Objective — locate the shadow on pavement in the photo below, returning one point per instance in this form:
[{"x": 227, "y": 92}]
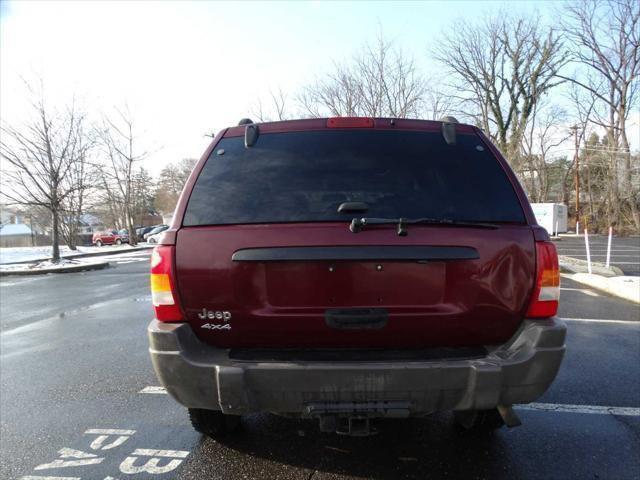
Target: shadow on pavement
[{"x": 415, "y": 448}]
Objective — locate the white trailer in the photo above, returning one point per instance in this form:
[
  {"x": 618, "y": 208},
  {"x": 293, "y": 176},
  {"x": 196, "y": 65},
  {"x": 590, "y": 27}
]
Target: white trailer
[{"x": 551, "y": 216}]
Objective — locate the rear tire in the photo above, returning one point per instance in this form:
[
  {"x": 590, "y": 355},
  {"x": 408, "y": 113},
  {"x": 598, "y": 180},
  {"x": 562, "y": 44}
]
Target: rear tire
[
  {"x": 213, "y": 423},
  {"x": 478, "y": 420},
  {"x": 98, "y": 243},
  {"x": 118, "y": 242}
]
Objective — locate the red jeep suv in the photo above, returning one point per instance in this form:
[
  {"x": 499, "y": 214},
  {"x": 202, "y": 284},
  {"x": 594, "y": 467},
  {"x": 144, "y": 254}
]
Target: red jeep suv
[
  {"x": 110, "y": 237},
  {"x": 347, "y": 269}
]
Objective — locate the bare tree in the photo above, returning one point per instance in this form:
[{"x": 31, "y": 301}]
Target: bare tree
[
  {"x": 82, "y": 176},
  {"x": 437, "y": 101},
  {"x": 502, "y": 68},
  {"x": 605, "y": 36},
  {"x": 171, "y": 181},
  {"x": 143, "y": 198},
  {"x": 40, "y": 159},
  {"x": 380, "y": 81},
  {"x": 275, "y": 108},
  {"x": 119, "y": 143},
  {"x": 543, "y": 134},
  {"x": 337, "y": 94}
]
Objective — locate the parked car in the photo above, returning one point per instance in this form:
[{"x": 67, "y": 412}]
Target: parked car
[
  {"x": 110, "y": 237},
  {"x": 155, "y": 238},
  {"x": 153, "y": 231},
  {"x": 140, "y": 231},
  {"x": 347, "y": 269}
]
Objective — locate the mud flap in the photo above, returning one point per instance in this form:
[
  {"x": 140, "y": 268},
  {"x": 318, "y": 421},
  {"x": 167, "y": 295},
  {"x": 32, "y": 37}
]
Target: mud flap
[{"x": 232, "y": 391}]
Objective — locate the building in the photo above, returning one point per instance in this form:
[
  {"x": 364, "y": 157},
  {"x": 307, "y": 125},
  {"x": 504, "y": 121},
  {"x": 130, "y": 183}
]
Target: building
[
  {"x": 88, "y": 225},
  {"x": 16, "y": 235},
  {"x": 20, "y": 228}
]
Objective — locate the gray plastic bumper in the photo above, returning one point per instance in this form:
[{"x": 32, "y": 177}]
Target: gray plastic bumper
[{"x": 200, "y": 376}]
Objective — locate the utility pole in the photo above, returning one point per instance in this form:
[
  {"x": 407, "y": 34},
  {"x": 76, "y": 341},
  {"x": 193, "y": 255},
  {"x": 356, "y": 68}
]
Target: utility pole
[{"x": 576, "y": 160}]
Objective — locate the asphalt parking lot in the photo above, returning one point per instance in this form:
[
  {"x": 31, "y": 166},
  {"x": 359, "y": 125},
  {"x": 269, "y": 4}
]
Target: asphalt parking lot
[
  {"x": 77, "y": 401},
  {"x": 625, "y": 251}
]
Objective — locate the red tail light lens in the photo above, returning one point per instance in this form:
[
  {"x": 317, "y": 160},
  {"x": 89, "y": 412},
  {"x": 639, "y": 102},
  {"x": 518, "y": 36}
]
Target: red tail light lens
[
  {"x": 163, "y": 291},
  {"x": 350, "y": 122},
  {"x": 546, "y": 294}
]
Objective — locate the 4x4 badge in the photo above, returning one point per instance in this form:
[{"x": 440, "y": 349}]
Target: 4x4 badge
[{"x": 213, "y": 326}]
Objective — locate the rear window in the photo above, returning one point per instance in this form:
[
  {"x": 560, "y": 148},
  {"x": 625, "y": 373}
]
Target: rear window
[{"x": 305, "y": 176}]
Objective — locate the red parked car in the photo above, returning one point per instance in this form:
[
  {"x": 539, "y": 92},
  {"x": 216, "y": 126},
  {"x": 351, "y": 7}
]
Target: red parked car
[
  {"x": 110, "y": 237},
  {"x": 347, "y": 269}
]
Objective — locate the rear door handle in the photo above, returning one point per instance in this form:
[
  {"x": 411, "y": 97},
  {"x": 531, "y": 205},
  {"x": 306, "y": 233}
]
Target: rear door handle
[{"x": 356, "y": 318}]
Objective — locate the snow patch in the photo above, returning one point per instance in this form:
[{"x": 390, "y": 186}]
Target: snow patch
[
  {"x": 49, "y": 265},
  {"x": 23, "y": 254}
]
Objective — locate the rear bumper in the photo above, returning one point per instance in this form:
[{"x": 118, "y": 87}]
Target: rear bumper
[{"x": 200, "y": 376}]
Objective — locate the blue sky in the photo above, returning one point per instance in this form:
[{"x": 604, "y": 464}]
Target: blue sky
[{"x": 187, "y": 69}]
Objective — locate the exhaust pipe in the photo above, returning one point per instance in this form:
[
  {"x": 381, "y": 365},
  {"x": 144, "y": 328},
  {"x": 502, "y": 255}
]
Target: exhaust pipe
[{"x": 509, "y": 416}]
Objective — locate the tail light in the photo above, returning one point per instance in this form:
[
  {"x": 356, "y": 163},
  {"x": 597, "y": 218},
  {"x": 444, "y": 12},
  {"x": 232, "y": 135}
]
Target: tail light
[
  {"x": 546, "y": 294},
  {"x": 163, "y": 291},
  {"x": 350, "y": 122}
]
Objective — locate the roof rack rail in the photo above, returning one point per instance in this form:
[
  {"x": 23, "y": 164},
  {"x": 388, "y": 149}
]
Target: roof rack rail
[
  {"x": 449, "y": 129},
  {"x": 449, "y": 119},
  {"x": 251, "y": 133}
]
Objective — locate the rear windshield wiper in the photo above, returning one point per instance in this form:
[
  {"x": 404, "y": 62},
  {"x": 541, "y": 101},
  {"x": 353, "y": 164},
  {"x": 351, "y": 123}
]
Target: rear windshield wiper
[{"x": 358, "y": 224}]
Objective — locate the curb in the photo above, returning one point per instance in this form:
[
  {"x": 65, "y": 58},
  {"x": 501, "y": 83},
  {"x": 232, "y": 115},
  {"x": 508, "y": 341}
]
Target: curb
[
  {"x": 576, "y": 265},
  {"x": 75, "y": 268},
  {"x": 625, "y": 287},
  {"x": 84, "y": 255}
]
